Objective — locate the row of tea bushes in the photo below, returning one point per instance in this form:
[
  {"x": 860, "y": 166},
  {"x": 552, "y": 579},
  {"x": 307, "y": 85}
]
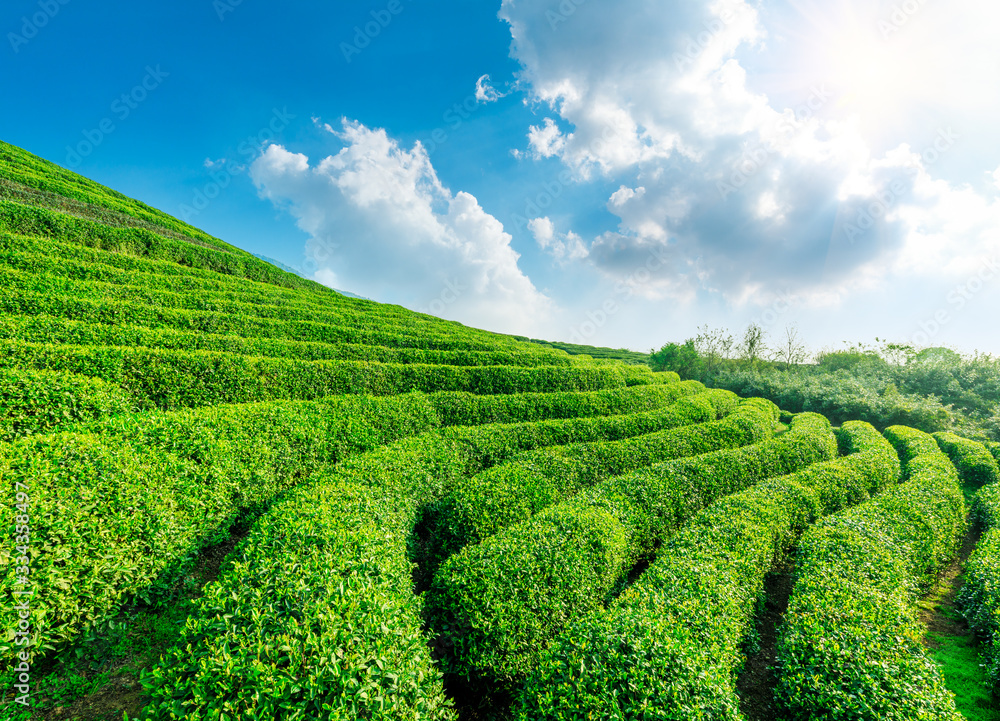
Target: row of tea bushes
[
  {"x": 46, "y": 329},
  {"x": 44, "y": 401},
  {"x": 111, "y": 512},
  {"x": 851, "y": 639},
  {"x": 516, "y": 590},
  {"x": 466, "y": 409},
  {"x": 975, "y": 464},
  {"x": 177, "y": 379},
  {"x": 514, "y": 491},
  {"x": 671, "y": 645},
  {"x": 980, "y": 595}
]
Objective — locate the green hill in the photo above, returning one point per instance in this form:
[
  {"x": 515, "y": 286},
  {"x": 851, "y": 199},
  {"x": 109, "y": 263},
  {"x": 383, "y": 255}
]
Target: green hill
[{"x": 235, "y": 493}]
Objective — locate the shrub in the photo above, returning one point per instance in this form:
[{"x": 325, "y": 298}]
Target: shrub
[
  {"x": 517, "y": 589},
  {"x": 980, "y": 595},
  {"x": 41, "y": 401},
  {"x": 671, "y": 645},
  {"x": 976, "y": 465},
  {"x": 514, "y": 491},
  {"x": 111, "y": 513},
  {"x": 312, "y": 619},
  {"x": 171, "y": 379},
  {"x": 466, "y": 409},
  {"x": 850, "y": 647}
]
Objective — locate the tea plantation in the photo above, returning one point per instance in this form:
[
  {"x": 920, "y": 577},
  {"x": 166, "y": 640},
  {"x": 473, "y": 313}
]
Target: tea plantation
[{"x": 233, "y": 493}]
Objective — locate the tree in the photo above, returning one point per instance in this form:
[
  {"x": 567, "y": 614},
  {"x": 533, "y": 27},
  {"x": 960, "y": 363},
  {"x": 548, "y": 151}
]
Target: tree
[
  {"x": 753, "y": 347},
  {"x": 941, "y": 357},
  {"x": 682, "y": 358},
  {"x": 714, "y": 347},
  {"x": 792, "y": 351},
  {"x": 898, "y": 354}
]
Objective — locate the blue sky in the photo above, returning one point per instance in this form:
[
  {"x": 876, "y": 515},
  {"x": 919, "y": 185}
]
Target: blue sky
[{"x": 615, "y": 173}]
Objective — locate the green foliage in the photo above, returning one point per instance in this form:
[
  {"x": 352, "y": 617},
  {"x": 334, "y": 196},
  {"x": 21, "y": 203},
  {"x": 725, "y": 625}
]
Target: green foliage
[
  {"x": 620, "y": 354},
  {"x": 27, "y": 220},
  {"x": 341, "y": 542},
  {"x": 110, "y": 513},
  {"x": 558, "y": 467},
  {"x": 980, "y": 595},
  {"x": 994, "y": 449},
  {"x": 22, "y": 172},
  {"x": 316, "y": 609},
  {"x": 466, "y": 409},
  {"x": 514, "y": 591},
  {"x": 44, "y": 329},
  {"x": 682, "y": 359},
  {"x": 171, "y": 379},
  {"x": 850, "y": 647},
  {"x": 514, "y": 491},
  {"x": 41, "y": 401},
  {"x": 670, "y": 646},
  {"x": 934, "y": 389},
  {"x": 841, "y": 397},
  {"x": 833, "y": 361},
  {"x": 976, "y": 465}
]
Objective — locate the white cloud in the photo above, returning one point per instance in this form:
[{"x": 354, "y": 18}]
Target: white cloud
[
  {"x": 625, "y": 194},
  {"x": 381, "y": 224},
  {"x": 547, "y": 140},
  {"x": 996, "y": 178},
  {"x": 743, "y": 191},
  {"x": 485, "y": 92},
  {"x": 561, "y": 247}
]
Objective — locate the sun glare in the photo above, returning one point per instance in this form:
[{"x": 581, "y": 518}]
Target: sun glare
[{"x": 877, "y": 61}]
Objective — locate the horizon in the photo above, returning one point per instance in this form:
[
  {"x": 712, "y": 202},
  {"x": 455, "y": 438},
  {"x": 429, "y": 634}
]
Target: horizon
[{"x": 829, "y": 166}]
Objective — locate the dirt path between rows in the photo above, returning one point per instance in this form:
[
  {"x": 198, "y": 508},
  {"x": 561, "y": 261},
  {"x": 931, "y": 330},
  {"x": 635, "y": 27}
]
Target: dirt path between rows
[{"x": 756, "y": 683}]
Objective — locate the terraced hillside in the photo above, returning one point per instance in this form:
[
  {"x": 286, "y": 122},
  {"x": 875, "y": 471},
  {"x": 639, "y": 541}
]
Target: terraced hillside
[{"x": 232, "y": 493}]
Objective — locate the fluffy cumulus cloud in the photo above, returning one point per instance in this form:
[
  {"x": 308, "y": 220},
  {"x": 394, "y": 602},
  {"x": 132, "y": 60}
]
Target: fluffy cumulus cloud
[
  {"x": 751, "y": 189},
  {"x": 381, "y": 224},
  {"x": 561, "y": 247}
]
